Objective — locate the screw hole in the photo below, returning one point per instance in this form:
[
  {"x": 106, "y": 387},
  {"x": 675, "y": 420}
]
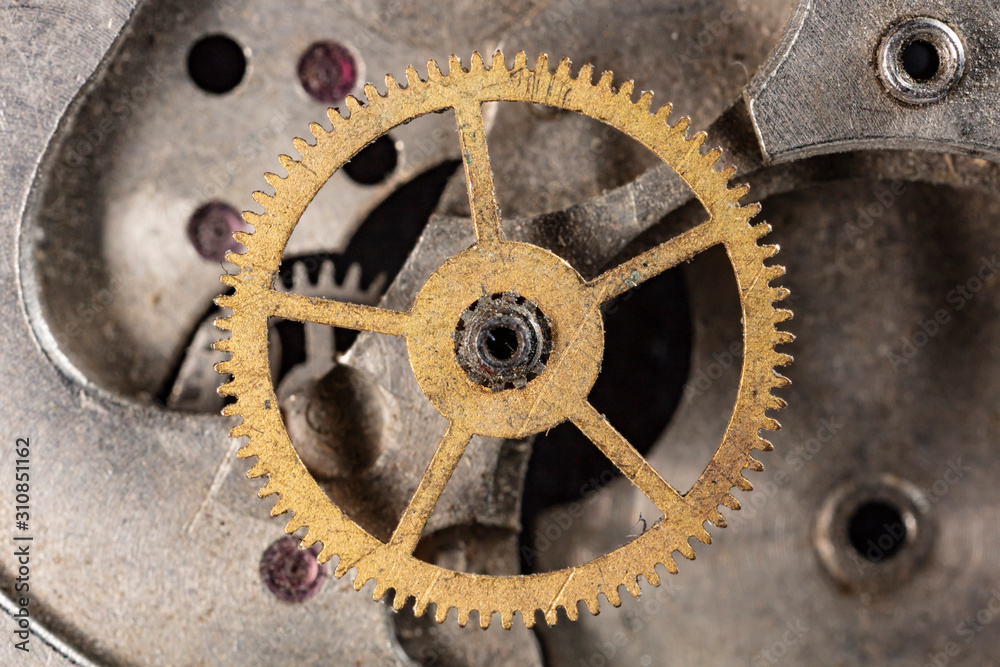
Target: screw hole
[
  {"x": 374, "y": 163},
  {"x": 876, "y": 530},
  {"x": 501, "y": 343},
  {"x": 216, "y": 64},
  {"x": 921, "y": 60}
]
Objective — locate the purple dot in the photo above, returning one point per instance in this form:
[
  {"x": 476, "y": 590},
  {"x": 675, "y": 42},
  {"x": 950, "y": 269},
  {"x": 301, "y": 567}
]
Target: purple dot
[
  {"x": 328, "y": 72},
  {"x": 211, "y": 228},
  {"x": 292, "y": 574}
]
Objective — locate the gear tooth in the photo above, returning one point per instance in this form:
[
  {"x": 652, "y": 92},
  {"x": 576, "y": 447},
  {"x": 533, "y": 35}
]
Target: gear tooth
[
  {"x": 613, "y": 597},
  {"x": 308, "y": 540},
  {"x": 542, "y": 64},
  {"x": 399, "y": 601},
  {"x": 730, "y": 501},
  {"x": 372, "y": 94},
  {"x": 783, "y": 360},
  {"x": 255, "y": 220},
  {"x": 499, "y": 62},
  {"x": 645, "y": 100},
  {"x": 391, "y": 84},
  {"x": 455, "y": 65},
  {"x": 780, "y": 293},
  {"x": 242, "y": 237},
  {"x": 593, "y": 606},
  {"x": 434, "y": 72},
  {"x": 774, "y": 272},
  {"x": 782, "y": 315},
  {"x": 520, "y": 61},
  {"x": 226, "y": 388},
  {"x": 770, "y": 424},
  {"x": 775, "y": 402},
  {"x": 241, "y": 431},
  {"x": 302, "y": 146},
  {"x": 754, "y": 464},
  {"x": 318, "y": 131},
  {"x": 262, "y": 198},
  {"x": 441, "y": 612},
  {"x": 563, "y": 68},
  {"x": 528, "y": 616},
  {"x": 770, "y": 250},
  {"x": 780, "y": 380},
  {"x": 738, "y": 192},
  {"x": 742, "y": 483},
  {"x": 507, "y": 619},
  {"x": 476, "y": 63},
  {"x": 763, "y": 444},
  {"x": 698, "y": 140},
  {"x": 760, "y": 230},
  {"x": 783, "y": 337},
  {"x": 280, "y": 508},
  {"x": 572, "y": 613},
  {"x": 288, "y": 163},
  {"x": 412, "y": 77},
  {"x": 702, "y": 534},
  {"x": 485, "y": 618},
  {"x": 551, "y": 616},
  {"x": 682, "y": 124},
  {"x": 326, "y": 279},
  {"x": 606, "y": 80},
  {"x": 652, "y": 577},
  {"x": 352, "y": 278},
  {"x": 230, "y": 410},
  {"x": 719, "y": 520},
  {"x": 586, "y": 74},
  {"x": 300, "y": 275},
  {"x": 380, "y": 590},
  {"x": 686, "y": 550},
  {"x": 359, "y": 581},
  {"x": 632, "y": 584},
  {"x": 663, "y": 113},
  {"x": 728, "y": 172},
  {"x": 353, "y": 104},
  {"x": 712, "y": 157},
  {"x": 626, "y": 89}
]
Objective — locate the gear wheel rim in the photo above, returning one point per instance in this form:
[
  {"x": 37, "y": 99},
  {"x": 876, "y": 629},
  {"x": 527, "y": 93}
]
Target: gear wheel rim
[{"x": 325, "y": 522}]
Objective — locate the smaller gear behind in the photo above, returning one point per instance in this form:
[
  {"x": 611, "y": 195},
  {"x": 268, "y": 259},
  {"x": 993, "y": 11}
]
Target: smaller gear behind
[
  {"x": 195, "y": 385},
  {"x": 570, "y": 307}
]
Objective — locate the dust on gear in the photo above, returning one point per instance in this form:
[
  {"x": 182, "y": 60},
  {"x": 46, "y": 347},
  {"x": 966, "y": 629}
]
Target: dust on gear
[{"x": 495, "y": 265}]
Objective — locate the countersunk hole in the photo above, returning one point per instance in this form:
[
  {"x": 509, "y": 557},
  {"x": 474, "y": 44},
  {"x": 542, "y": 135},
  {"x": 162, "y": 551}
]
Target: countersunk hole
[
  {"x": 374, "y": 163},
  {"x": 328, "y": 71},
  {"x": 921, "y": 60},
  {"x": 216, "y": 64},
  {"x": 876, "y": 530},
  {"x": 501, "y": 342}
]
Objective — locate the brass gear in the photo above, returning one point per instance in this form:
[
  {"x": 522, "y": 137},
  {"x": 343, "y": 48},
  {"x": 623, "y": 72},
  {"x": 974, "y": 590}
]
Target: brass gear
[{"x": 497, "y": 266}]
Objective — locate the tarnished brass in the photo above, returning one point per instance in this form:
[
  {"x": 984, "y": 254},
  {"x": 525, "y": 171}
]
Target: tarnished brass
[{"x": 495, "y": 265}]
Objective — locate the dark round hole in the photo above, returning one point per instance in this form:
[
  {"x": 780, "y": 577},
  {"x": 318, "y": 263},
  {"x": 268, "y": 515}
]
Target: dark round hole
[
  {"x": 501, "y": 342},
  {"x": 374, "y": 163},
  {"x": 292, "y": 574},
  {"x": 211, "y": 229},
  {"x": 876, "y": 530},
  {"x": 328, "y": 72},
  {"x": 920, "y": 60},
  {"x": 216, "y": 64}
]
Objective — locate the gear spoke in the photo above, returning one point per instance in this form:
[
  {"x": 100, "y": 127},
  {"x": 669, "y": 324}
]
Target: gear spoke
[
  {"x": 478, "y": 173},
  {"x": 620, "y": 279},
  {"x": 425, "y": 498},
  {"x": 338, "y": 313},
  {"x": 625, "y": 457}
]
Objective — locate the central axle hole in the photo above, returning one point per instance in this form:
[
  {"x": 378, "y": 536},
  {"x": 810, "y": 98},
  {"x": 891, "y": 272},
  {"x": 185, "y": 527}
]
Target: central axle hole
[
  {"x": 920, "y": 60},
  {"x": 501, "y": 342},
  {"x": 877, "y": 530}
]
